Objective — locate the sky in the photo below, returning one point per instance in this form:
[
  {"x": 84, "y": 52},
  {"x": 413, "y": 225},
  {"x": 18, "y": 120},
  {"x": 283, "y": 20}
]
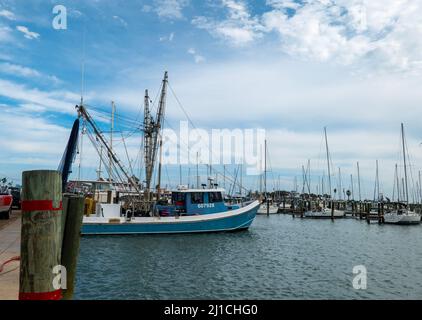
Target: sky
[{"x": 291, "y": 67}]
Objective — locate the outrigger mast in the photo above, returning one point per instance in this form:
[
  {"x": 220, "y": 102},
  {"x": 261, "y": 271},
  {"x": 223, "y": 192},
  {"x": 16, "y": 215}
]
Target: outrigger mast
[
  {"x": 113, "y": 156},
  {"x": 153, "y": 138}
]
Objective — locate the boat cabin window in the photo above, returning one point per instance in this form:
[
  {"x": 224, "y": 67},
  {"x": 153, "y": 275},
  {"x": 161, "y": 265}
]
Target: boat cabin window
[
  {"x": 215, "y": 197},
  {"x": 197, "y": 197},
  {"x": 178, "y": 198}
]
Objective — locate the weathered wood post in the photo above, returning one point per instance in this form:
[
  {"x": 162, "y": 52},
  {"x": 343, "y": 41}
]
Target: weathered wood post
[
  {"x": 71, "y": 240},
  {"x": 40, "y": 235}
]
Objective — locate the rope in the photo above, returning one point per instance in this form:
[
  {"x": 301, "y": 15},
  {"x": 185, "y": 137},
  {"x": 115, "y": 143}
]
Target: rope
[{"x": 17, "y": 258}]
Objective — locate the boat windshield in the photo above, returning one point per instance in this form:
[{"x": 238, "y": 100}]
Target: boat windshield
[
  {"x": 178, "y": 198},
  {"x": 215, "y": 197}
]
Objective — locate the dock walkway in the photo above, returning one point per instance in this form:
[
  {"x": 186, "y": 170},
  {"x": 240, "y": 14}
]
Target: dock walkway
[{"x": 10, "y": 247}]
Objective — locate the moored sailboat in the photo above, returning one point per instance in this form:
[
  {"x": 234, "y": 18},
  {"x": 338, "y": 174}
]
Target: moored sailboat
[
  {"x": 403, "y": 215},
  {"x": 323, "y": 212}
]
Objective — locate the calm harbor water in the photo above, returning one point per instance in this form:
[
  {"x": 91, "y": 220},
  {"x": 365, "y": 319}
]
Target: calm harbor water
[{"x": 278, "y": 258}]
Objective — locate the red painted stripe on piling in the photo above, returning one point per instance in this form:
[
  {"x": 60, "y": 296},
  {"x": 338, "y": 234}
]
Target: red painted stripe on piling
[
  {"x": 55, "y": 295},
  {"x": 40, "y": 205}
]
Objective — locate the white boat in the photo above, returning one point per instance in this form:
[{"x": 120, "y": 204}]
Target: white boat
[
  {"x": 263, "y": 209},
  {"x": 324, "y": 214},
  {"x": 402, "y": 216}
]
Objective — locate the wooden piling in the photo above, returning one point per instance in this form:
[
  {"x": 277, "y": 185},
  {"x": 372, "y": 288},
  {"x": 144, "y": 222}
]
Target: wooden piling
[
  {"x": 71, "y": 240},
  {"x": 40, "y": 234}
]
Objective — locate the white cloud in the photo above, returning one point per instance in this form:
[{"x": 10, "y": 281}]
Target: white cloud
[
  {"x": 169, "y": 38},
  {"x": 169, "y": 9},
  {"x": 22, "y": 71},
  {"x": 5, "y": 34},
  {"x": 197, "y": 57},
  {"x": 384, "y": 34},
  {"x": 30, "y": 140},
  {"x": 18, "y": 70},
  {"x": 57, "y": 101},
  {"x": 121, "y": 21},
  {"x": 27, "y": 33},
  {"x": 238, "y": 28},
  {"x": 7, "y": 14}
]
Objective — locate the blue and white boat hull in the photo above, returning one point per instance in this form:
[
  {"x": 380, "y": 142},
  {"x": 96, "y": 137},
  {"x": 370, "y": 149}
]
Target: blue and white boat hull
[{"x": 231, "y": 220}]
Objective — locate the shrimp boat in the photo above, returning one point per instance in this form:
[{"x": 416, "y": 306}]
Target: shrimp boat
[
  {"x": 125, "y": 205},
  {"x": 402, "y": 216},
  {"x": 189, "y": 211}
]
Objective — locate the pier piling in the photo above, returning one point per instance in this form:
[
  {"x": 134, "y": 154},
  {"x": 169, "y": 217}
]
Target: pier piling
[
  {"x": 40, "y": 234},
  {"x": 71, "y": 240}
]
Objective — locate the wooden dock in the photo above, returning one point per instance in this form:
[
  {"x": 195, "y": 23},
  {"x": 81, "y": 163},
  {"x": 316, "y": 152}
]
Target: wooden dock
[{"x": 10, "y": 235}]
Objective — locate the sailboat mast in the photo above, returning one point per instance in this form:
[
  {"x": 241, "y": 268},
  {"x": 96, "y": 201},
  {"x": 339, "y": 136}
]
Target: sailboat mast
[
  {"x": 265, "y": 169},
  {"x": 396, "y": 181},
  {"x": 260, "y": 169},
  {"x": 328, "y": 161},
  {"x": 340, "y": 187},
  {"x": 360, "y": 196},
  {"x": 377, "y": 186},
  {"x": 404, "y": 163}
]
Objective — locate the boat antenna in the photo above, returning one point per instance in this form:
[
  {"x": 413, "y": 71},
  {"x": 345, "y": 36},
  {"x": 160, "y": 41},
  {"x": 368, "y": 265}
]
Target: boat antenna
[{"x": 83, "y": 63}]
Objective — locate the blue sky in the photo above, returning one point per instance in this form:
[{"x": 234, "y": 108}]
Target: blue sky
[{"x": 291, "y": 67}]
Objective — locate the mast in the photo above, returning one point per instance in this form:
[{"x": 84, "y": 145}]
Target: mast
[
  {"x": 159, "y": 169},
  {"x": 148, "y": 131},
  {"x": 351, "y": 183},
  {"x": 377, "y": 184},
  {"x": 265, "y": 169},
  {"x": 340, "y": 191},
  {"x": 197, "y": 170},
  {"x": 159, "y": 127},
  {"x": 396, "y": 178},
  {"x": 309, "y": 176},
  {"x": 404, "y": 162},
  {"x": 87, "y": 117},
  {"x": 265, "y": 180},
  {"x": 260, "y": 170},
  {"x": 360, "y": 197},
  {"x": 113, "y": 110},
  {"x": 328, "y": 161}
]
